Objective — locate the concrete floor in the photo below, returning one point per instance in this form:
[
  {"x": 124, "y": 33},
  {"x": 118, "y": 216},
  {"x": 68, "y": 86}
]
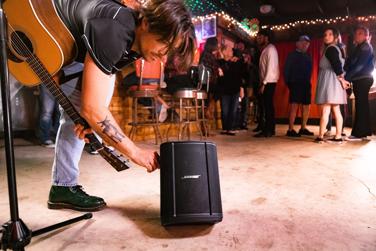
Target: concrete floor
[{"x": 277, "y": 194}]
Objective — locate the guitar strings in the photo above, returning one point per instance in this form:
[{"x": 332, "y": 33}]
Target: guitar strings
[
  {"x": 19, "y": 44},
  {"x": 22, "y": 47},
  {"x": 20, "y": 41}
]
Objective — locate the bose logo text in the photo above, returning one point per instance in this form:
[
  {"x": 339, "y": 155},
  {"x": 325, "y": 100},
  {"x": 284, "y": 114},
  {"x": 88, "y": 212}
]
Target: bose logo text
[{"x": 190, "y": 177}]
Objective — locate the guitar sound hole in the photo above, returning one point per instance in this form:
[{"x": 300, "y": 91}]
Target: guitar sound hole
[{"x": 21, "y": 46}]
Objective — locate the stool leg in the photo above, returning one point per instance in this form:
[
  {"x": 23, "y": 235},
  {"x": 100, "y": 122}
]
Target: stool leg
[
  {"x": 134, "y": 119},
  {"x": 188, "y": 128},
  {"x": 131, "y": 133},
  {"x": 180, "y": 118},
  {"x": 204, "y": 122},
  {"x": 131, "y": 130},
  {"x": 197, "y": 120},
  {"x": 155, "y": 119},
  {"x": 159, "y": 135},
  {"x": 168, "y": 132},
  {"x": 171, "y": 122}
]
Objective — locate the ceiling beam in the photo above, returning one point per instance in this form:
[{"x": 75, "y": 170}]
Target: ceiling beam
[
  {"x": 347, "y": 5},
  {"x": 319, "y": 7}
]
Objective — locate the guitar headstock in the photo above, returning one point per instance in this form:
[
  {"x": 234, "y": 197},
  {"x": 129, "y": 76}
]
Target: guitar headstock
[{"x": 115, "y": 159}]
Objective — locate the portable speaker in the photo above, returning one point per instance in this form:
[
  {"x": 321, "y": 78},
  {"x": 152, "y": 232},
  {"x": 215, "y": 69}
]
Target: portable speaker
[{"x": 190, "y": 190}]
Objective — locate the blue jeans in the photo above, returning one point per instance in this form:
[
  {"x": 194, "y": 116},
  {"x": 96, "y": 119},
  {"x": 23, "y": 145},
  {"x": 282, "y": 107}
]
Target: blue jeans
[
  {"x": 68, "y": 150},
  {"x": 48, "y": 116},
  {"x": 229, "y": 106},
  {"x": 243, "y": 116}
]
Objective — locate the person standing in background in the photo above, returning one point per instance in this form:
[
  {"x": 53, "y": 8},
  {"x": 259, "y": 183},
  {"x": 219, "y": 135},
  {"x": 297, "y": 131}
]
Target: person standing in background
[
  {"x": 297, "y": 73},
  {"x": 331, "y": 86},
  {"x": 359, "y": 67},
  {"x": 231, "y": 89},
  {"x": 269, "y": 75},
  {"x": 48, "y": 118},
  {"x": 254, "y": 78},
  {"x": 242, "y": 114},
  {"x": 342, "y": 107},
  {"x": 209, "y": 59}
]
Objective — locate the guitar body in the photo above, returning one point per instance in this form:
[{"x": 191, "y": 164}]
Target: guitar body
[{"x": 37, "y": 23}]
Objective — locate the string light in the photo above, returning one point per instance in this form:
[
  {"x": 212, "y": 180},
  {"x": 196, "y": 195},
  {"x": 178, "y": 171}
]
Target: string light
[
  {"x": 318, "y": 21},
  {"x": 231, "y": 22},
  {"x": 200, "y": 8}
]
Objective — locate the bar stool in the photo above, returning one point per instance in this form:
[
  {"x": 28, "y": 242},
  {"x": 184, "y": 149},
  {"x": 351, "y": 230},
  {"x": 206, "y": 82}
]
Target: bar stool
[
  {"x": 187, "y": 99},
  {"x": 202, "y": 96},
  {"x": 150, "y": 91}
]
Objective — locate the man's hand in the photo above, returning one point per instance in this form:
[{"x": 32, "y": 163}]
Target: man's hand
[
  {"x": 80, "y": 132},
  {"x": 220, "y": 72},
  {"x": 146, "y": 158},
  {"x": 241, "y": 94},
  {"x": 262, "y": 88}
]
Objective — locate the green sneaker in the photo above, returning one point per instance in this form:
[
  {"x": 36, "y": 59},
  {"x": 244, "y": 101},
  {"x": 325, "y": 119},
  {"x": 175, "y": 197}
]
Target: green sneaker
[{"x": 73, "y": 198}]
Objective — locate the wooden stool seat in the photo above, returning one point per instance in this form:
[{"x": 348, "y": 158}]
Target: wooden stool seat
[{"x": 185, "y": 93}]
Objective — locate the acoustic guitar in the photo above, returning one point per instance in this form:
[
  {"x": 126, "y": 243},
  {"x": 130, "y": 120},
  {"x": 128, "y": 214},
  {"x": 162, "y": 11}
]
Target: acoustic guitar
[{"x": 39, "y": 46}]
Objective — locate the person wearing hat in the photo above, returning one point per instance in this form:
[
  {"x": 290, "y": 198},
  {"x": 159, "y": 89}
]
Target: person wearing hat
[{"x": 297, "y": 74}]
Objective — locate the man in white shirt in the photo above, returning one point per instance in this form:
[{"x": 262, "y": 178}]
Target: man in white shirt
[{"x": 269, "y": 75}]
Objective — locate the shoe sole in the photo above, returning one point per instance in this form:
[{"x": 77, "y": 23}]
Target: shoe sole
[
  {"x": 354, "y": 140},
  {"x": 336, "y": 142},
  {"x": 60, "y": 205},
  {"x": 320, "y": 141},
  {"x": 49, "y": 146}
]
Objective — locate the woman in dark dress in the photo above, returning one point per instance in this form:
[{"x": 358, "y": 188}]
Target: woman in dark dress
[{"x": 209, "y": 59}]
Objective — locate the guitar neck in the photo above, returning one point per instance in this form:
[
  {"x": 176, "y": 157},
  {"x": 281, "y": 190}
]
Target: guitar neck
[{"x": 47, "y": 80}]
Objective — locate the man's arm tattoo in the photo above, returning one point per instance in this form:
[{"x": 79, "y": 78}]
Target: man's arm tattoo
[{"x": 111, "y": 131}]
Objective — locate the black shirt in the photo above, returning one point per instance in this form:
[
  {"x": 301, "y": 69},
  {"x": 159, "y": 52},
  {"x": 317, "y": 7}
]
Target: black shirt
[
  {"x": 298, "y": 68},
  {"x": 104, "y": 28},
  {"x": 232, "y": 78}
]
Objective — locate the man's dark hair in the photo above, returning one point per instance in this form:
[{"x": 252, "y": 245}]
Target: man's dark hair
[
  {"x": 363, "y": 28},
  {"x": 267, "y": 33},
  {"x": 171, "y": 20},
  {"x": 211, "y": 45}
]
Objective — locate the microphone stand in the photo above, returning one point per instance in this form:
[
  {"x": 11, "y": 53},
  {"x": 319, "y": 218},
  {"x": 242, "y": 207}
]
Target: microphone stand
[{"x": 15, "y": 234}]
